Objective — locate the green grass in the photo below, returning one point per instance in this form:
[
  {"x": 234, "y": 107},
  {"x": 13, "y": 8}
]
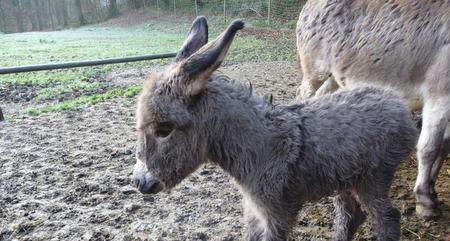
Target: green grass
[
  {"x": 97, "y": 42},
  {"x": 52, "y": 92},
  {"x": 77, "y": 103},
  {"x": 80, "y": 44},
  {"x": 83, "y": 43}
]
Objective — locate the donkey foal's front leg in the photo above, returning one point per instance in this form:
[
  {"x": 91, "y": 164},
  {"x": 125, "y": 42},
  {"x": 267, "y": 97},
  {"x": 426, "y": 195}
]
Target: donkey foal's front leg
[
  {"x": 264, "y": 224},
  {"x": 255, "y": 226}
]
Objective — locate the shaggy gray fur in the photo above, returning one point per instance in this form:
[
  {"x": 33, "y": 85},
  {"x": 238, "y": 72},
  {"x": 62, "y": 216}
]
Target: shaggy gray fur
[{"x": 347, "y": 144}]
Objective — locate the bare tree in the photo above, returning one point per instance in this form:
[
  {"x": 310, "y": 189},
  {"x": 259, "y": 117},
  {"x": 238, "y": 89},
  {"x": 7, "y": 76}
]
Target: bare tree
[
  {"x": 50, "y": 14},
  {"x": 65, "y": 15},
  {"x": 39, "y": 14},
  {"x": 79, "y": 13},
  {"x": 2, "y": 19},
  {"x": 113, "y": 11},
  {"x": 30, "y": 15},
  {"x": 136, "y": 4},
  {"x": 19, "y": 15}
]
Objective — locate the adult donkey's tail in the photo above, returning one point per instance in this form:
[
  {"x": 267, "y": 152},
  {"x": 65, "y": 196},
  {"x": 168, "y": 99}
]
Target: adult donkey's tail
[{"x": 1, "y": 115}]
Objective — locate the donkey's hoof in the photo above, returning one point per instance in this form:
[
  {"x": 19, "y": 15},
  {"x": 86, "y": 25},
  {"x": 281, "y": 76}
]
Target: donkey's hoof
[{"x": 427, "y": 213}]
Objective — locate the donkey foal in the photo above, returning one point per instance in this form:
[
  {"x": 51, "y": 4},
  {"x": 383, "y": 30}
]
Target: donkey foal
[{"x": 349, "y": 143}]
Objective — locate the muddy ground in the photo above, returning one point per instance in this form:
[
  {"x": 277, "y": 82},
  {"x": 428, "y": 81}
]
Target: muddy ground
[{"x": 66, "y": 176}]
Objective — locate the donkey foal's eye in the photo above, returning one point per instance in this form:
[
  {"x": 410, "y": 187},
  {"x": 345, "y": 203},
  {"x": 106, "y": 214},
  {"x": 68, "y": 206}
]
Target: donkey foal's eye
[{"x": 164, "y": 129}]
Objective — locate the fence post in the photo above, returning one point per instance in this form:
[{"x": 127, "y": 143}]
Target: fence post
[
  {"x": 269, "y": 8},
  {"x": 157, "y": 7},
  {"x": 196, "y": 8},
  {"x": 175, "y": 7},
  {"x": 224, "y": 11}
]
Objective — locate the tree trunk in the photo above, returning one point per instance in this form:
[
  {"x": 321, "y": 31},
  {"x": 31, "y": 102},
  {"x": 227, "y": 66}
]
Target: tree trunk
[
  {"x": 50, "y": 15},
  {"x": 92, "y": 11},
  {"x": 113, "y": 11},
  {"x": 79, "y": 13},
  {"x": 99, "y": 12},
  {"x": 39, "y": 14},
  {"x": 136, "y": 4},
  {"x": 19, "y": 15},
  {"x": 58, "y": 14},
  {"x": 65, "y": 15},
  {"x": 43, "y": 12},
  {"x": 31, "y": 15},
  {"x": 2, "y": 19}
]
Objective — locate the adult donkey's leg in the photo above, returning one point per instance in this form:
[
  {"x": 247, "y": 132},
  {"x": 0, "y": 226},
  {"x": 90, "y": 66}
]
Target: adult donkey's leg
[
  {"x": 313, "y": 77},
  {"x": 311, "y": 83},
  {"x": 430, "y": 152},
  {"x": 328, "y": 87},
  {"x": 445, "y": 149}
]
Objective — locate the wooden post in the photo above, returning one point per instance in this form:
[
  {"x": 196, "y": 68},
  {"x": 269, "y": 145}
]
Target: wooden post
[
  {"x": 196, "y": 8},
  {"x": 157, "y": 7},
  {"x": 175, "y": 7},
  {"x": 224, "y": 10},
  {"x": 269, "y": 8}
]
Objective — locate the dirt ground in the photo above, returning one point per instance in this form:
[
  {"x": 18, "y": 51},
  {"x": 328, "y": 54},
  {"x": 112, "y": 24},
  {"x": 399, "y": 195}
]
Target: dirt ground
[{"x": 66, "y": 176}]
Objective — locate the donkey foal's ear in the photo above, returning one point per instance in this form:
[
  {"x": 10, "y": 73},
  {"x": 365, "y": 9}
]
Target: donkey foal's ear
[
  {"x": 197, "y": 37},
  {"x": 198, "y": 68}
]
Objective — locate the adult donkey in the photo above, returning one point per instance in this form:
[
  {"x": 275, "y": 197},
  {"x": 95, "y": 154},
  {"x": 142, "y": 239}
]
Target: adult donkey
[{"x": 402, "y": 45}]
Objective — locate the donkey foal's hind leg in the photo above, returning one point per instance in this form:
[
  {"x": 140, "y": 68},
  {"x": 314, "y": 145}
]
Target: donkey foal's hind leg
[
  {"x": 384, "y": 218},
  {"x": 374, "y": 198},
  {"x": 349, "y": 216}
]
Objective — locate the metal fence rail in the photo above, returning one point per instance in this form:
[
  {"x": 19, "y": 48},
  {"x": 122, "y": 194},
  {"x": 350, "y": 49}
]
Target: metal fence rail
[{"x": 75, "y": 64}]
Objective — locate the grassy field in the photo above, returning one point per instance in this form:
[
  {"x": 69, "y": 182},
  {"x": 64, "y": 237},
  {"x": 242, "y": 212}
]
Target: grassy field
[{"x": 100, "y": 41}]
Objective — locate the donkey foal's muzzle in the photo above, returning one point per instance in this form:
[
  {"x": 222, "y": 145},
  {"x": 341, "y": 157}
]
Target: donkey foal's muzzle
[
  {"x": 151, "y": 186},
  {"x": 143, "y": 181}
]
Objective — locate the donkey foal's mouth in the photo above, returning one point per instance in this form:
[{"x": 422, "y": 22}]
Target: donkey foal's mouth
[{"x": 152, "y": 186}]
